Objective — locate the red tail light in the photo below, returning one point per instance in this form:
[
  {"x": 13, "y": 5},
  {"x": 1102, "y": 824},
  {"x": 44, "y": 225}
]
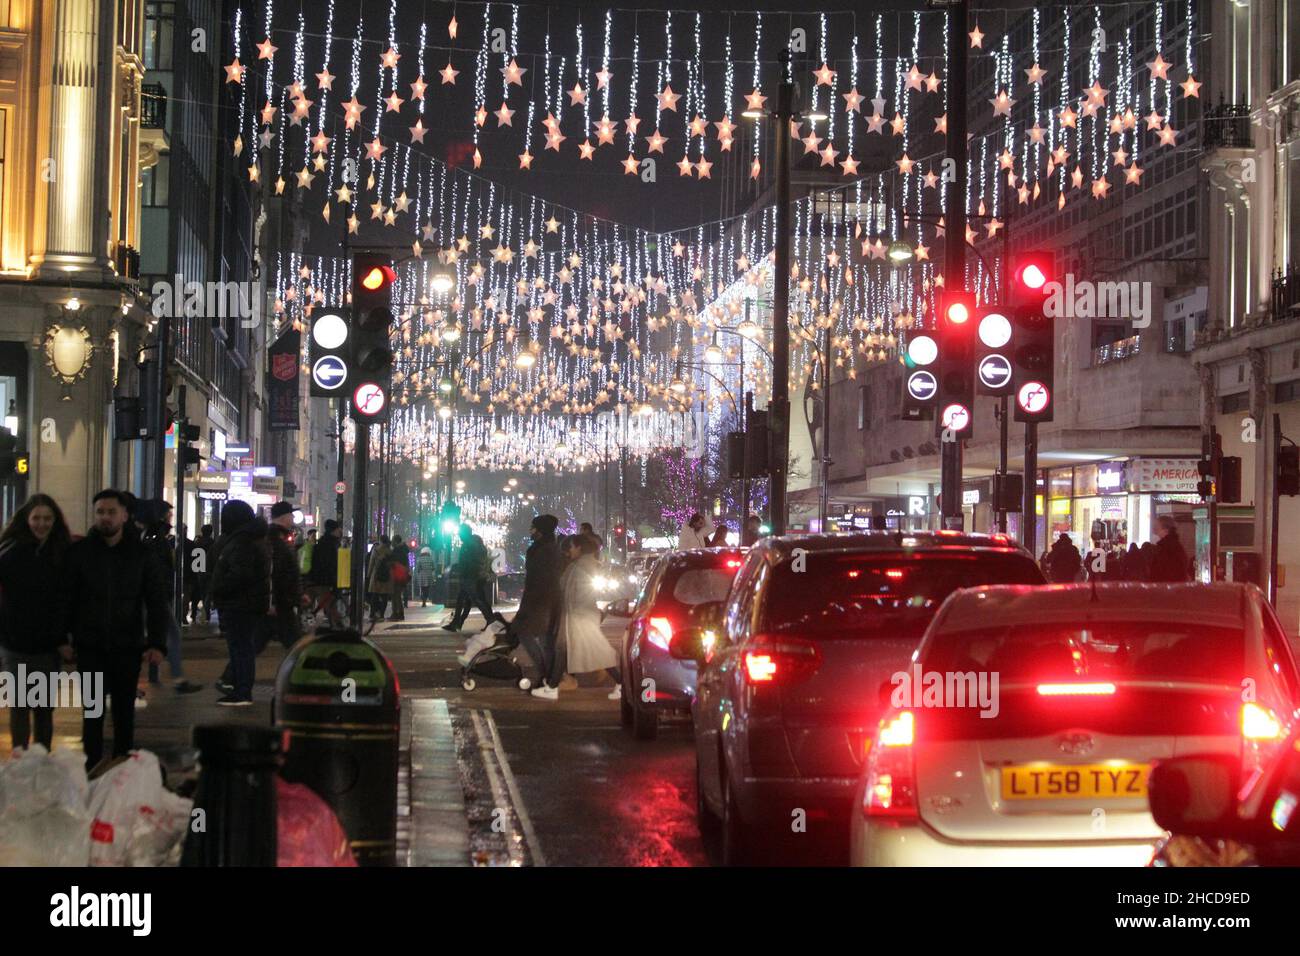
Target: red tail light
[
  {"x": 891, "y": 774},
  {"x": 1260, "y": 723},
  {"x": 659, "y": 632},
  {"x": 774, "y": 659},
  {"x": 733, "y": 563}
]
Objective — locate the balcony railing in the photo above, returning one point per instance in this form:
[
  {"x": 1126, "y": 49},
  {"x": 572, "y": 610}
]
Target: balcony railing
[
  {"x": 1286, "y": 295},
  {"x": 1115, "y": 351},
  {"x": 1228, "y": 125},
  {"x": 153, "y": 106}
]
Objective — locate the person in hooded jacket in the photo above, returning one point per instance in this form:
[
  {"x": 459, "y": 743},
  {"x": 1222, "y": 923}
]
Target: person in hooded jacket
[
  {"x": 379, "y": 578},
  {"x": 537, "y": 618},
  {"x": 241, "y": 593},
  {"x": 115, "y": 597},
  {"x": 32, "y": 550}
]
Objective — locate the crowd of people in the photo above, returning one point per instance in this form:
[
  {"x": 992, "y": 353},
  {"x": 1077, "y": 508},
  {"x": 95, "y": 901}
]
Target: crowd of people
[{"x": 1165, "y": 561}]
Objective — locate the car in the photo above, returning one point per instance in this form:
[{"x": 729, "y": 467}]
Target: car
[
  {"x": 781, "y": 710},
  {"x": 654, "y": 682},
  {"x": 1094, "y": 683}
]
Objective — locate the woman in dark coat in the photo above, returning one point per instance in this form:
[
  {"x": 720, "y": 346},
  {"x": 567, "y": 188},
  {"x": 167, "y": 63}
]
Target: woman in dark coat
[{"x": 32, "y": 628}]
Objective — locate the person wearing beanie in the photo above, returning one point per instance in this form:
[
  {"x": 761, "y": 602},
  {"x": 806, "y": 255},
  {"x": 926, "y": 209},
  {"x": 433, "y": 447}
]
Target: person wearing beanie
[
  {"x": 241, "y": 593},
  {"x": 286, "y": 583},
  {"x": 536, "y": 622},
  {"x": 325, "y": 569}
]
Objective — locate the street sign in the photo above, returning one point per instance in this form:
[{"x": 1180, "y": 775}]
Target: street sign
[
  {"x": 995, "y": 371},
  {"x": 329, "y": 372},
  {"x": 1033, "y": 397},
  {"x": 340, "y": 487},
  {"x": 369, "y": 399},
  {"x": 956, "y": 416},
  {"x": 922, "y": 385}
]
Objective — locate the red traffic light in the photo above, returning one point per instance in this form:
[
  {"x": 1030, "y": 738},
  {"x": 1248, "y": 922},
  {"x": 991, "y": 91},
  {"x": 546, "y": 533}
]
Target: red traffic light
[
  {"x": 377, "y": 277},
  {"x": 956, "y": 308},
  {"x": 1033, "y": 270}
]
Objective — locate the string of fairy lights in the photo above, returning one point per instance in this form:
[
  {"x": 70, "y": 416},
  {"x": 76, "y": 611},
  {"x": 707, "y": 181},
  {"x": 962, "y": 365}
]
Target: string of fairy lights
[{"x": 543, "y": 328}]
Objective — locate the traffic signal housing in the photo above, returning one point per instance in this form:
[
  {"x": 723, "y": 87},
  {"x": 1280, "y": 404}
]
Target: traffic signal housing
[
  {"x": 371, "y": 367},
  {"x": 920, "y": 384},
  {"x": 1288, "y": 470},
  {"x": 331, "y": 353},
  {"x": 186, "y": 436},
  {"x": 1033, "y": 338},
  {"x": 955, "y": 364},
  {"x": 994, "y": 362},
  {"x": 8, "y": 453}
]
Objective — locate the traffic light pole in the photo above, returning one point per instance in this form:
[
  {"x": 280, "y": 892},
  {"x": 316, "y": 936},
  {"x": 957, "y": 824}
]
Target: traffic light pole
[
  {"x": 338, "y": 437},
  {"x": 744, "y": 466},
  {"x": 1029, "y": 507},
  {"x": 954, "y": 257},
  {"x": 779, "y": 405},
  {"x": 360, "y": 497}
]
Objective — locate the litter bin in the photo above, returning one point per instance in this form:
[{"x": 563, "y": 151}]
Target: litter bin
[
  {"x": 236, "y": 794},
  {"x": 337, "y": 698}
]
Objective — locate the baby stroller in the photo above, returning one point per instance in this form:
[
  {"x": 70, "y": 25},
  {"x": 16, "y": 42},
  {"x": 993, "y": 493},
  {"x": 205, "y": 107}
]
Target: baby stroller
[{"x": 497, "y": 654}]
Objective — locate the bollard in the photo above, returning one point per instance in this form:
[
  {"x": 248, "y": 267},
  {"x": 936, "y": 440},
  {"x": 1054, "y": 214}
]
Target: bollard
[
  {"x": 337, "y": 699},
  {"x": 236, "y": 796}
]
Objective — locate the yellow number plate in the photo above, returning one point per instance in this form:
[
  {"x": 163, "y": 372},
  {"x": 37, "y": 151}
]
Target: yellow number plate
[{"x": 1082, "y": 781}]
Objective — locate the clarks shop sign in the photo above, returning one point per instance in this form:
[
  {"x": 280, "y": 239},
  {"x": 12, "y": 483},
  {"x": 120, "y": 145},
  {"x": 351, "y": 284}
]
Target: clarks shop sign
[{"x": 1164, "y": 475}]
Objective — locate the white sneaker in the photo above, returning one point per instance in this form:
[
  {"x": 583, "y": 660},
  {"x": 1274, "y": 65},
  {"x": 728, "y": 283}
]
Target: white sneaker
[
  {"x": 616, "y": 693},
  {"x": 140, "y": 702},
  {"x": 546, "y": 693}
]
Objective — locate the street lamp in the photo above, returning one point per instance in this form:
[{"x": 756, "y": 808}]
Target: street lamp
[
  {"x": 900, "y": 252},
  {"x": 442, "y": 282}
]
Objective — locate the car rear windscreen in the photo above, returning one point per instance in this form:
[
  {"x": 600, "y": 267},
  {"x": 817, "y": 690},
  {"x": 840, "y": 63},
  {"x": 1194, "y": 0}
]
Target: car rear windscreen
[
  {"x": 867, "y": 595},
  {"x": 1158, "y": 651}
]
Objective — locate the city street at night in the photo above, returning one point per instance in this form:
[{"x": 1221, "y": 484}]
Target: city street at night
[{"x": 606, "y": 443}]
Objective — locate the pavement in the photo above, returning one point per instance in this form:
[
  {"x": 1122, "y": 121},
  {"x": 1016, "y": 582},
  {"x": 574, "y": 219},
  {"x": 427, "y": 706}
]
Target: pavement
[{"x": 489, "y": 777}]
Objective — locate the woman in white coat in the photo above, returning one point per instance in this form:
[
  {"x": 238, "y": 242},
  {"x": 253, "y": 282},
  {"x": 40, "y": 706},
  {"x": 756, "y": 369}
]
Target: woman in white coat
[{"x": 586, "y": 647}]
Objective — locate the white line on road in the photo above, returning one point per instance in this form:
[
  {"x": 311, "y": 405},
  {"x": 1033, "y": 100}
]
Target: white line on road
[
  {"x": 530, "y": 835},
  {"x": 499, "y": 798}
]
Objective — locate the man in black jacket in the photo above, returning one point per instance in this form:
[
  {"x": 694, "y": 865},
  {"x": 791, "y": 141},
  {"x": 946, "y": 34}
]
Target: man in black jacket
[
  {"x": 537, "y": 619},
  {"x": 286, "y": 583},
  {"x": 473, "y": 568},
  {"x": 241, "y": 593},
  {"x": 115, "y": 595},
  {"x": 1169, "y": 562}
]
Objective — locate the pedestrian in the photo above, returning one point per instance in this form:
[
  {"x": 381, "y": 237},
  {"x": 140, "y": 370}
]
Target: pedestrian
[
  {"x": 32, "y": 550},
  {"x": 114, "y": 594},
  {"x": 424, "y": 575},
  {"x": 719, "y": 539},
  {"x": 878, "y": 523},
  {"x": 241, "y": 593},
  {"x": 1169, "y": 562},
  {"x": 537, "y": 618},
  {"x": 325, "y": 570},
  {"x": 581, "y": 641},
  {"x": 1134, "y": 569},
  {"x": 753, "y": 530},
  {"x": 474, "y": 576},
  {"x": 399, "y": 575},
  {"x": 1064, "y": 561},
  {"x": 156, "y": 517},
  {"x": 379, "y": 580},
  {"x": 694, "y": 534},
  {"x": 286, "y": 582},
  {"x": 197, "y": 576}
]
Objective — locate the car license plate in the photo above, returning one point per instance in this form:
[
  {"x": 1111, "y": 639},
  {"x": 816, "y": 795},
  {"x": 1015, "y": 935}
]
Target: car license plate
[{"x": 1082, "y": 781}]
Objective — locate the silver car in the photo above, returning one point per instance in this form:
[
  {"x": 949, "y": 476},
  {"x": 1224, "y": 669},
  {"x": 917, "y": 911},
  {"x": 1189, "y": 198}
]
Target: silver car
[
  {"x": 1090, "y": 686},
  {"x": 653, "y": 680}
]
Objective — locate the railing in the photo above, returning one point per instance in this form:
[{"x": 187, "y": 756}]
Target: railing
[
  {"x": 1115, "y": 351},
  {"x": 1227, "y": 125},
  {"x": 127, "y": 261},
  {"x": 153, "y": 106}
]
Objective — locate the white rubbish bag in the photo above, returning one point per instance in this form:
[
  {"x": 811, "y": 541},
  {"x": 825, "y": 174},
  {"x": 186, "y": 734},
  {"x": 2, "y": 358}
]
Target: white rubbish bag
[
  {"x": 43, "y": 816},
  {"x": 136, "y": 821}
]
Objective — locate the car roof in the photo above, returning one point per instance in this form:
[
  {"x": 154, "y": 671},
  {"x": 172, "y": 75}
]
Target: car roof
[
  {"x": 859, "y": 541},
  {"x": 1222, "y": 604},
  {"x": 702, "y": 556}
]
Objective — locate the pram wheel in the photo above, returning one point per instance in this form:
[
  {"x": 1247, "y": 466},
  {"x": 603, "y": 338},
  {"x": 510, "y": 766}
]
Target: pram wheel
[
  {"x": 525, "y": 683},
  {"x": 468, "y": 683}
]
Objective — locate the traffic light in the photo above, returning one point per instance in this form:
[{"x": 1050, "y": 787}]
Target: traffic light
[
  {"x": 1033, "y": 338},
  {"x": 993, "y": 348},
  {"x": 371, "y": 373},
  {"x": 955, "y": 364},
  {"x": 186, "y": 435},
  {"x": 1288, "y": 470},
  {"x": 449, "y": 522},
  {"x": 920, "y": 386},
  {"x": 331, "y": 345}
]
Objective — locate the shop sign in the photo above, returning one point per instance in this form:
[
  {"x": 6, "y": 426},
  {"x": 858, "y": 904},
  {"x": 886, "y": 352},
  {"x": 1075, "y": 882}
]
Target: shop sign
[
  {"x": 1110, "y": 477},
  {"x": 1164, "y": 475},
  {"x": 970, "y": 496}
]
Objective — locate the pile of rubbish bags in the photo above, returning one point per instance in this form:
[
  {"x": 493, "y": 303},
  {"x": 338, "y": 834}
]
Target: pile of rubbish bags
[{"x": 52, "y": 815}]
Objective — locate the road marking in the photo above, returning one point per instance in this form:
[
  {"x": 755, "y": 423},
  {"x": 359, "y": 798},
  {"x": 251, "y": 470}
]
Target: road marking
[
  {"x": 530, "y": 835},
  {"x": 499, "y": 797}
]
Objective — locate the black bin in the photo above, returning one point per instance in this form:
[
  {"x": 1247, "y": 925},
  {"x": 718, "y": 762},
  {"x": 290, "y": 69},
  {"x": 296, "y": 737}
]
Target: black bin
[
  {"x": 236, "y": 794},
  {"x": 337, "y": 698}
]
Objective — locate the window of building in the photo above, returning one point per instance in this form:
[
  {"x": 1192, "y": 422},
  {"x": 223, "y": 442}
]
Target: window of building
[
  {"x": 1236, "y": 402},
  {"x": 864, "y": 407},
  {"x": 1286, "y": 391},
  {"x": 4, "y": 139},
  {"x": 154, "y": 182},
  {"x": 159, "y": 22}
]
